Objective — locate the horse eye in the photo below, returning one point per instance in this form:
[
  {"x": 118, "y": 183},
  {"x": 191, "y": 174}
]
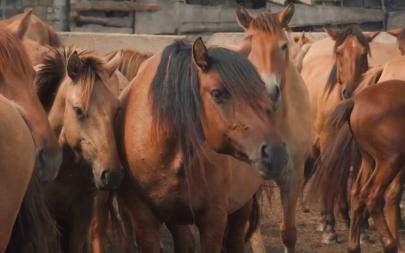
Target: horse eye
[
  {"x": 219, "y": 95},
  {"x": 79, "y": 112},
  {"x": 284, "y": 46}
]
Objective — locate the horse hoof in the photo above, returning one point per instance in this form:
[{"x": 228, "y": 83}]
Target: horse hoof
[
  {"x": 329, "y": 238},
  {"x": 305, "y": 210}
]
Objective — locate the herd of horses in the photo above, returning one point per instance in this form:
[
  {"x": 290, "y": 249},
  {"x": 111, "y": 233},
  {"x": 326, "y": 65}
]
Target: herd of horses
[{"x": 114, "y": 146}]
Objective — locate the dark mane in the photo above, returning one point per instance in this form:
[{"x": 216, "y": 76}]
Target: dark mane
[
  {"x": 52, "y": 72},
  {"x": 13, "y": 57},
  {"x": 350, "y": 31},
  {"x": 176, "y": 102},
  {"x": 267, "y": 23}
]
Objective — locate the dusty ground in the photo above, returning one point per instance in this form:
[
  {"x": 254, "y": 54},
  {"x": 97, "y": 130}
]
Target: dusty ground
[{"x": 309, "y": 240}]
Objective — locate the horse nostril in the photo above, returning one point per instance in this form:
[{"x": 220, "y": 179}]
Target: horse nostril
[
  {"x": 265, "y": 151},
  {"x": 280, "y": 155},
  {"x": 111, "y": 179},
  {"x": 276, "y": 94},
  {"x": 346, "y": 94}
]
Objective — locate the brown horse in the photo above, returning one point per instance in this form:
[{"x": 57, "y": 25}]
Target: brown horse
[
  {"x": 34, "y": 229},
  {"x": 20, "y": 88},
  {"x": 399, "y": 33},
  {"x": 16, "y": 140},
  {"x": 35, "y": 35},
  {"x": 269, "y": 53},
  {"x": 374, "y": 133},
  {"x": 37, "y": 30},
  {"x": 188, "y": 103},
  {"x": 329, "y": 81},
  {"x": 75, "y": 89}
]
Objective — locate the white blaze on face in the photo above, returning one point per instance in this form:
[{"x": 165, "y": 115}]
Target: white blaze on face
[{"x": 272, "y": 84}]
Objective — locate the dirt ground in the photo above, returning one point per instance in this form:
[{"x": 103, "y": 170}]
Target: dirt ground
[{"x": 309, "y": 239}]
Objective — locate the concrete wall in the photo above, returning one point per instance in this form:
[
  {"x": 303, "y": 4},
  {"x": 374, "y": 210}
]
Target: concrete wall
[{"x": 104, "y": 42}]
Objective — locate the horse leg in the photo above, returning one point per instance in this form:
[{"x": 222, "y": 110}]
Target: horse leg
[
  {"x": 211, "y": 225},
  {"x": 373, "y": 192},
  {"x": 329, "y": 235},
  {"x": 392, "y": 199},
  {"x": 257, "y": 242},
  {"x": 145, "y": 224},
  {"x": 80, "y": 227},
  {"x": 357, "y": 205},
  {"x": 234, "y": 240},
  {"x": 183, "y": 238},
  {"x": 289, "y": 193}
]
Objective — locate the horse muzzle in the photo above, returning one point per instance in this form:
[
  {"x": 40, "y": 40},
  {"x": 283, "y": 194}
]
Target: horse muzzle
[
  {"x": 110, "y": 179},
  {"x": 274, "y": 159},
  {"x": 48, "y": 162}
]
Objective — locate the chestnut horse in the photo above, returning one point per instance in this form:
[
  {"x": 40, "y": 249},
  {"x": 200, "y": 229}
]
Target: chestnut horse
[
  {"x": 36, "y": 36},
  {"x": 36, "y": 30},
  {"x": 190, "y": 103},
  {"x": 331, "y": 80},
  {"x": 20, "y": 88},
  {"x": 370, "y": 128},
  {"x": 34, "y": 229},
  {"x": 269, "y": 54},
  {"x": 17, "y": 151},
  {"x": 75, "y": 88}
]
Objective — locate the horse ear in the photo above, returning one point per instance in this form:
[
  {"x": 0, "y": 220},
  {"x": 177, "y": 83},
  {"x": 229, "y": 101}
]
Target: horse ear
[
  {"x": 284, "y": 16},
  {"x": 333, "y": 33},
  {"x": 395, "y": 32},
  {"x": 74, "y": 66},
  {"x": 24, "y": 24},
  {"x": 371, "y": 36},
  {"x": 200, "y": 54},
  {"x": 113, "y": 63},
  {"x": 243, "y": 17}
]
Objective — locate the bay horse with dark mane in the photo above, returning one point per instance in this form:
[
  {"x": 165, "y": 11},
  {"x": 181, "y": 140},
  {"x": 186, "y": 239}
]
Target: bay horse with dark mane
[
  {"x": 74, "y": 86},
  {"x": 189, "y": 103},
  {"x": 266, "y": 45},
  {"x": 34, "y": 229},
  {"x": 371, "y": 129},
  {"x": 331, "y": 80}
]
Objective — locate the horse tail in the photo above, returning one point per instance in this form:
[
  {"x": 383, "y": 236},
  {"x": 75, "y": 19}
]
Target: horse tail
[
  {"x": 35, "y": 229},
  {"x": 254, "y": 218},
  {"x": 335, "y": 163}
]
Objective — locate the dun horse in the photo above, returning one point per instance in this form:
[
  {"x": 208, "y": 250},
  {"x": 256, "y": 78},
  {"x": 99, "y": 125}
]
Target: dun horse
[
  {"x": 372, "y": 129},
  {"x": 188, "y": 103},
  {"x": 400, "y": 35},
  {"x": 75, "y": 88},
  {"x": 268, "y": 51}
]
